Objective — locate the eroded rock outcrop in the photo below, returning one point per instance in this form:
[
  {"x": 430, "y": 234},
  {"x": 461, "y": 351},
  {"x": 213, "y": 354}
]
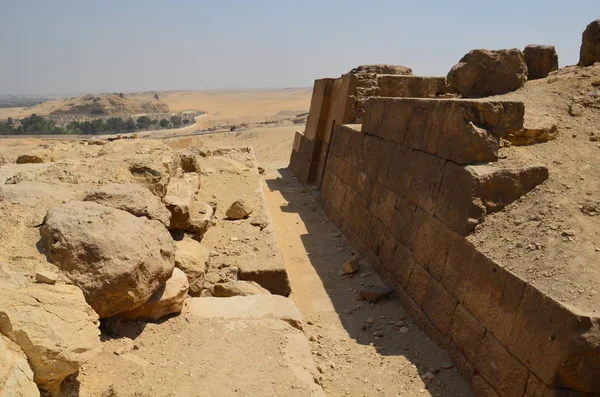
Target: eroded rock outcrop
[
  {"x": 482, "y": 73},
  {"x": 117, "y": 259},
  {"x": 54, "y": 326},
  {"x": 133, "y": 198},
  {"x": 16, "y": 378},
  {"x": 168, "y": 299}
]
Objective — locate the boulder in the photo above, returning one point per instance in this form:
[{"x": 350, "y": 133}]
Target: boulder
[
  {"x": 239, "y": 209},
  {"x": 238, "y": 288},
  {"x": 382, "y": 69},
  {"x": 590, "y": 44},
  {"x": 192, "y": 258},
  {"x": 168, "y": 299},
  {"x": 133, "y": 198},
  {"x": 117, "y": 259},
  {"x": 54, "y": 326},
  {"x": 201, "y": 216},
  {"x": 179, "y": 198},
  {"x": 16, "y": 378},
  {"x": 36, "y": 156},
  {"x": 482, "y": 73},
  {"x": 540, "y": 60}
]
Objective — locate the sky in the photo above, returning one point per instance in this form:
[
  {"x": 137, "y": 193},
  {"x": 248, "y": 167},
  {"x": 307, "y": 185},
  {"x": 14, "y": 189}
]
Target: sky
[{"x": 81, "y": 46}]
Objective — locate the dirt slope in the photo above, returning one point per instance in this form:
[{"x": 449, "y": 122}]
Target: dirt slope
[{"x": 551, "y": 236}]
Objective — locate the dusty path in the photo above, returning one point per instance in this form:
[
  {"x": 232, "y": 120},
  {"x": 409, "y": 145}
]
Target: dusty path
[{"x": 358, "y": 347}]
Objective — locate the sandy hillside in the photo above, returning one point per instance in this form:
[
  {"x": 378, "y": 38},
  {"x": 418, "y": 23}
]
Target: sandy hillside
[{"x": 222, "y": 106}]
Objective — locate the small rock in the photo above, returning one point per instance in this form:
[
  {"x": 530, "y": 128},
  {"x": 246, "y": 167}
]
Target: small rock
[
  {"x": 378, "y": 334},
  {"x": 375, "y": 294},
  {"x": 351, "y": 266},
  {"x": 568, "y": 233},
  {"x": 46, "y": 277},
  {"x": 240, "y": 209},
  {"x": 430, "y": 375},
  {"x": 447, "y": 365},
  {"x": 404, "y": 330},
  {"x": 370, "y": 320}
]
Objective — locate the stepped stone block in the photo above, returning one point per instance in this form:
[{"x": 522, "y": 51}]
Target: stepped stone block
[
  {"x": 397, "y": 86},
  {"x": 462, "y": 131}
]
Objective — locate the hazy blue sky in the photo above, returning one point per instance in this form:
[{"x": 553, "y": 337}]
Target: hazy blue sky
[{"x": 60, "y": 46}]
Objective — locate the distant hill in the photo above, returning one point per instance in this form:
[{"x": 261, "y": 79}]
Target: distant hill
[{"x": 101, "y": 104}]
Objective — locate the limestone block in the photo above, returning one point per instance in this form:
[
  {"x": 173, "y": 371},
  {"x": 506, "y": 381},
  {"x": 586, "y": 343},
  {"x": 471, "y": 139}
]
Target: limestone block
[
  {"x": 541, "y": 60},
  {"x": 558, "y": 344},
  {"x": 466, "y": 332},
  {"x": 438, "y": 306},
  {"x": 590, "y": 44},
  {"x": 410, "y": 86},
  {"x": 500, "y": 369},
  {"x": 483, "y": 73}
]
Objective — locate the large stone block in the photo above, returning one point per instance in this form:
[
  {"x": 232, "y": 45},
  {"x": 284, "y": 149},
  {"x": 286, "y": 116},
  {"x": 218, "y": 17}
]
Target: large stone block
[
  {"x": 469, "y": 193},
  {"x": 541, "y": 60},
  {"x": 463, "y": 131},
  {"x": 417, "y": 178},
  {"x": 590, "y": 44},
  {"x": 560, "y": 346},
  {"x": 466, "y": 332},
  {"x": 439, "y": 306},
  {"x": 319, "y": 108},
  {"x": 382, "y": 203},
  {"x": 500, "y": 369},
  {"x": 493, "y": 295},
  {"x": 483, "y": 73},
  {"x": 456, "y": 206},
  {"x": 432, "y": 244},
  {"x": 496, "y": 186},
  {"x": 403, "y": 226},
  {"x": 481, "y": 388},
  {"x": 417, "y": 285},
  {"x": 402, "y": 266},
  {"x": 399, "y": 86},
  {"x": 461, "y": 258}
]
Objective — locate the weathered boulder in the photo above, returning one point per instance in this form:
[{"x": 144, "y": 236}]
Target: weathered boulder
[
  {"x": 382, "y": 69},
  {"x": 239, "y": 209},
  {"x": 117, "y": 259},
  {"x": 482, "y": 73},
  {"x": 541, "y": 60},
  {"x": 590, "y": 44},
  {"x": 179, "y": 198},
  {"x": 54, "y": 326},
  {"x": 16, "y": 378},
  {"x": 201, "y": 216},
  {"x": 133, "y": 198},
  {"x": 192, "y": 258},
  {"x": 168, "y": 299},
  {"x": 35, "y": 156},
  {"x": 238, "y": 288}
]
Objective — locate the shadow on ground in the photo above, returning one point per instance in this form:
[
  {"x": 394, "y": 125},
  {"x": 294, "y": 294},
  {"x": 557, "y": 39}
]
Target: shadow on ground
[{"x": 380, "y": 325}]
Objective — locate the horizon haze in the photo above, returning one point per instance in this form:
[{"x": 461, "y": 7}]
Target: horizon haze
[{"x": 66, "y": 47}]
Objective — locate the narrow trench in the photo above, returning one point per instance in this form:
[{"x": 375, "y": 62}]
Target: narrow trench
[{"x": 360, "y": 349}]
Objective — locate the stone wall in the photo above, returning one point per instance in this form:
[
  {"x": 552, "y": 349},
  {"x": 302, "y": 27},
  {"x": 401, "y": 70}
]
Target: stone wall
[
  {"x": 405, "y": 188},
  {"x": 342, "y": 101}
]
